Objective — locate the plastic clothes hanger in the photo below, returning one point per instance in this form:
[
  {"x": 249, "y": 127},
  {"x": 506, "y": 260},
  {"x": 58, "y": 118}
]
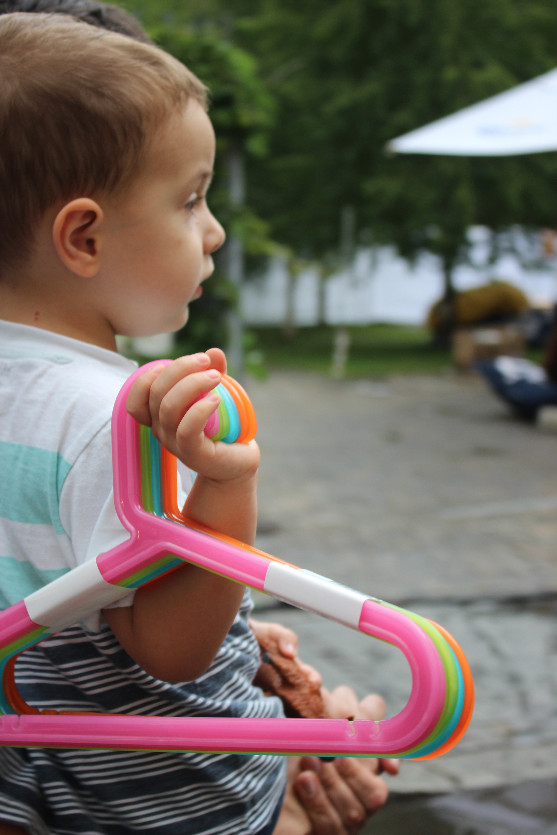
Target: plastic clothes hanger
[{"x": 434, "y": 719}]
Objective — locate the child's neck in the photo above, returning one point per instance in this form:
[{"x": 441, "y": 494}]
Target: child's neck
[{"x": 25, "y": 304}]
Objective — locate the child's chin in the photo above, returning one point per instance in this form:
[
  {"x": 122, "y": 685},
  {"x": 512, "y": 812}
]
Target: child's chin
[{"x": 178, "y": 322}]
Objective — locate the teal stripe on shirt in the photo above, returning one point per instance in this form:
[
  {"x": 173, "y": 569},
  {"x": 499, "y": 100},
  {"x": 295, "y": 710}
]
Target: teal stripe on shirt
[
  {"x": 21, "y": 578},
  {"x": 30, "y": 484}
]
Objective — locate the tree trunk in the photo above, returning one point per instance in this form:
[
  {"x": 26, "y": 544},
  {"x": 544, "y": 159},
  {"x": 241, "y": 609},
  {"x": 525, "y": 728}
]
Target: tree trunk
[
  {"x": 234, "y": 258},
  {"x": 444, "y": 332},
  {"x": 289, "y": 323}
]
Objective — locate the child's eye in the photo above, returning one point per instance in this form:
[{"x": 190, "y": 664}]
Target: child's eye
[{"x": 194, "y": 201}]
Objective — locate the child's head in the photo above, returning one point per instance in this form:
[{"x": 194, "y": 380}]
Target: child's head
[{"x": 80, "y": 108}]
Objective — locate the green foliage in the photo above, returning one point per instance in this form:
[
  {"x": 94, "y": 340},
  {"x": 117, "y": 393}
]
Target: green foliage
[
  {"x": 241, "y": 109},
  {"x": 350, "y": 75},
  {"x": 175, "y": 13},
  {"x": 346, "y": 76}
]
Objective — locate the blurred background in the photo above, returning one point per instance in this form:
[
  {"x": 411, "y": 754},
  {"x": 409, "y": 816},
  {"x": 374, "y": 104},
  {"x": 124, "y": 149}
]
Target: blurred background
[
  {"x": 391, "y": 314},
  {"x": 327, "y": 228}
]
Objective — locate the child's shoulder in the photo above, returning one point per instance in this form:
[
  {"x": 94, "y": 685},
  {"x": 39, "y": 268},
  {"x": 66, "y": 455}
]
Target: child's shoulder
[
  {"x": 85, "y": 386},
  {"x": 60, "y": 383},
  {"x": 91, "y": 381}
]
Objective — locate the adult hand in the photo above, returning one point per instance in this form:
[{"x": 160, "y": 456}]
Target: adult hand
[
  {"x": 339, "y": 797},
  {"x": 287, "y": 643}
]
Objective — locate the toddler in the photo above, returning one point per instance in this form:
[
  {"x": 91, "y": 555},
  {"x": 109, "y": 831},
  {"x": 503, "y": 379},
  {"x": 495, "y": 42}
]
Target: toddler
[{"x": 107, "y": 157}]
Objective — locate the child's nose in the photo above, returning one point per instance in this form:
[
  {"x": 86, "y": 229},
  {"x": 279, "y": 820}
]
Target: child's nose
[{"x": 214, "y": 236}]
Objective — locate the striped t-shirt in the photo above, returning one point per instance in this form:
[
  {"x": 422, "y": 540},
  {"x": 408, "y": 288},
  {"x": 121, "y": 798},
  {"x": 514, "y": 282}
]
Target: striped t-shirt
[{"x": 56, "y": 511}]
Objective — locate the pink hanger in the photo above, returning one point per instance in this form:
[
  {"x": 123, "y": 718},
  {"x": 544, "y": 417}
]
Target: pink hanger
[{"x": 434, "y": 719}]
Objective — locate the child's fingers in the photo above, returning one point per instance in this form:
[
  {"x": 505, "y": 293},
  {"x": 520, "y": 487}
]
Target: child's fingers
[
  {"x": 173, "y": 374},
  {"x": 188, "y": 397},
  {"x": 145, "y": 398},
  {"x": 218, "y": 359},
  {"x": 194, "y": 419},
  {"x": 137, "y": 402},
  {"x": 158, "y": 384}
]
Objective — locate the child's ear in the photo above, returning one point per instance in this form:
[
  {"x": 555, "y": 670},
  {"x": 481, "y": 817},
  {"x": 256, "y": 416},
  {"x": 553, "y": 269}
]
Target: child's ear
[{"x": 75, "y": 233}]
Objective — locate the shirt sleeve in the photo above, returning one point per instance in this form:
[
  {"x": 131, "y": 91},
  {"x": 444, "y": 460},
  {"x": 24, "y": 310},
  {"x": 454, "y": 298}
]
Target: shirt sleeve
[{"x": 87, "y": 509}]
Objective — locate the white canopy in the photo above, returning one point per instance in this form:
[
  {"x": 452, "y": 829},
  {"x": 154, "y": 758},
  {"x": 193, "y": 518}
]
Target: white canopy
[{"x": 522, "y": 120}]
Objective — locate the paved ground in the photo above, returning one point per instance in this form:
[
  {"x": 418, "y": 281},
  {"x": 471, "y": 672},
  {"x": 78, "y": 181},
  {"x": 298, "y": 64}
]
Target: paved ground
[{"x": 424, "y": 492}]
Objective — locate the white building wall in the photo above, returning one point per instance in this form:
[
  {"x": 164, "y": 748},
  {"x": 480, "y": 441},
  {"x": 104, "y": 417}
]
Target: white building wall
[{"x": 383, "y": 287}]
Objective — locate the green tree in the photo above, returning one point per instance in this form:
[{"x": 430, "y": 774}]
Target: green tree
[
  {"x": 350, "y": 75},
  {"x": 473, "y": 52}
]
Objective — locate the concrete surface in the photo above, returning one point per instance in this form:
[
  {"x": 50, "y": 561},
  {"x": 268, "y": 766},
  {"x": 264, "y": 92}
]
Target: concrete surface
[{"x": 427, "y": 493}]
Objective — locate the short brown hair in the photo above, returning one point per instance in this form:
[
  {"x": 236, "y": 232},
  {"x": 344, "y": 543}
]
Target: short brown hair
[{"x": 78, "y": 108}]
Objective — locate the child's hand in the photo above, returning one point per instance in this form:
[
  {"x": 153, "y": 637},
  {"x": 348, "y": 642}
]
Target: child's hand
[
  {"x": 170, "y": 399},
  {"x": 223, "y": 497}
]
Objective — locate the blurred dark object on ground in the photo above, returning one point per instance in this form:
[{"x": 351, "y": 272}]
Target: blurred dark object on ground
[
  {"x": 525, "y": 386},
  {"x": 472, "y": 345},
  {"x": 482, "y": 322}
]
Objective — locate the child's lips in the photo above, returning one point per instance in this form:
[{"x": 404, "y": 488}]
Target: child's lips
[{"x": 209, "y": 273}]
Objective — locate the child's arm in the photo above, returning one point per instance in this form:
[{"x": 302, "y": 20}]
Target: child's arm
[{"x": 177, "y": 624}]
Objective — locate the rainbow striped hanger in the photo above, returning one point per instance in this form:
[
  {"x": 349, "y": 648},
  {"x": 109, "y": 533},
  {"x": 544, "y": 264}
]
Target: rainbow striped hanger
[{"x": 433, "y": 720}]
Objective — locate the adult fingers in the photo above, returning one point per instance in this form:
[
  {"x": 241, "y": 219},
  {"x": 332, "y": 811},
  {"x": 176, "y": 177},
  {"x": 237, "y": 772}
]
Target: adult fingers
[
  {"x": 286, "y": 638},
  {"x": 321, "y": 812},
  {"x": 360, "y": 778},
  {"x": 341, "y": 703},
  {"x": 371, "y": 706}
]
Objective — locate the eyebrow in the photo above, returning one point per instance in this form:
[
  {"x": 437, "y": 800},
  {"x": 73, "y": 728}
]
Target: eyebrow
[{"x": 205, "y": 180}]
